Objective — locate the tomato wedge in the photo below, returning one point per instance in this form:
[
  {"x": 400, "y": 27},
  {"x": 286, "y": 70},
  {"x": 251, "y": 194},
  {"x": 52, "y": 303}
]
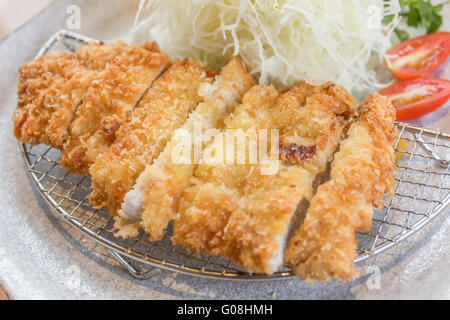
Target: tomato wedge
[
  {"x": 419, "y": 57},
  {"x": 415, "y": 98}
]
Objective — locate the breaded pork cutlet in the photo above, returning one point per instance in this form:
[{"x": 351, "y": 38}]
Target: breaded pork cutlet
[
  {"x": 362, "y": 171},
  {"x": 34, "y": 79},
  {"x": 51, "y": 87},
  {"x": 108, "y": 102},
  {"x": 163, "y": 109},
  {"x": 161, "y": 184},
  {"x": 243, "y": 213},
  {"x": 216, "y": 190}
]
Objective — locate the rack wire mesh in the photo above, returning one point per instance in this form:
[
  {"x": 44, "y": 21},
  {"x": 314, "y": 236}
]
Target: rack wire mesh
[{"x": 421, "y": 193}]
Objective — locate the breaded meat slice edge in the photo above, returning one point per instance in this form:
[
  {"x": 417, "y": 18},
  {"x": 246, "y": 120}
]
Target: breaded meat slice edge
[
  {"x": 163, "y": 109},
  {"x": 236, "y": 211},
  {"x": 153, "y": 201},
  {"x": 362, "y": 171},
  {"x": 109, "y": 102},
  {"x": 52, "y": 87}
]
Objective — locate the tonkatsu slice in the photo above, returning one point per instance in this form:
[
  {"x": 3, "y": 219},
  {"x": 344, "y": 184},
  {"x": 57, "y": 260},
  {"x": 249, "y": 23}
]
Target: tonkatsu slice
[
  {"x": 163, "y": 109},
  {"x": 109, "y": 101},
  {"x": 51, "y": 88},
  {"x": 362, "y": 171},
  {"x": 154, "y": 199},
  {"x": 243, "y": 212}
]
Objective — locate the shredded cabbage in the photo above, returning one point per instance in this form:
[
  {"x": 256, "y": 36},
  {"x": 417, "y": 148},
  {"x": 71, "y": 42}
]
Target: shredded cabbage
[{"x": 281, "y": 41}]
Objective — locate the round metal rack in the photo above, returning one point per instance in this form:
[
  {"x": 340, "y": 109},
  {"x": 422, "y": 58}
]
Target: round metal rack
[{"x": 422, "y": 192}]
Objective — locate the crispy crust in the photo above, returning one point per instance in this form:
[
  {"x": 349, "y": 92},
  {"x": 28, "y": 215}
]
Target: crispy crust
[
  {"x": 254, "y": 235},
  {"x": 163, "y": 109},
  {"x": 35, "y": 78},
  {"x": 324, "y": 246},
  {"x": 163, "y": 182},
  {"x": 236, "y": 210},
  {"x": 51, "y": 88},
  {"x": 206, "y": 206},
  {"x": 233, "y": 210},
  {"x": 109, "y": 100},
  {"x": 95, "y": 56}
]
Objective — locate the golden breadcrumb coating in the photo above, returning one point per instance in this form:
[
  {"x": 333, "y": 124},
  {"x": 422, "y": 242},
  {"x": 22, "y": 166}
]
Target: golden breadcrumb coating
[
  {"x": 116, "y": 114},
  {"x": 239, "y": 212},
  {"x": 163, "y": 109},
  {"x": 109, "y": 101},
  {"x": 96, "y": 55},
  {"x": 35, "y": 78},
  {"x": 362, "y": 171},
  {"x": 164, "y": 181},
  {"x": 215, "y": 194},
  {"x": 51, "y": 88}
]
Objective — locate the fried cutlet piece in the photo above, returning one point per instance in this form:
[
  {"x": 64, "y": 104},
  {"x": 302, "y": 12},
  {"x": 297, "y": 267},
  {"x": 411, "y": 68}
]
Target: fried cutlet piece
[
  {"x": 35, "y": 78},
  {"x": 215, "y": 193},
  {"x": 63, "y": 98},
  {"x": 96, "y": 55},
  {"x": 51, "y": 87},
  {"x": 244, "y": 213},
  {"x": 163, "y": 109},
  {"x": 161, "y": 184},
  {"x": 362, "y": 171},
  {"x": 108, "y": 102}
]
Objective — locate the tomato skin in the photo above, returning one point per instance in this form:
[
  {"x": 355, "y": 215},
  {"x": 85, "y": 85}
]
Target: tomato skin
[
  {"x": 427, "y": 95},
  {"x": 419, "y": 57}
]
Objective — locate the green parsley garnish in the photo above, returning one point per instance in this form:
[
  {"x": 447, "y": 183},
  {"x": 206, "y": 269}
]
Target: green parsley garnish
[{"x": 418, "y": 13}]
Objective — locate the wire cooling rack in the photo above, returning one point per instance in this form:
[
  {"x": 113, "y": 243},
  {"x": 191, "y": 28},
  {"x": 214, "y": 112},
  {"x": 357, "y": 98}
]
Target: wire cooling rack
[{"x": 422, "y": 192}]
